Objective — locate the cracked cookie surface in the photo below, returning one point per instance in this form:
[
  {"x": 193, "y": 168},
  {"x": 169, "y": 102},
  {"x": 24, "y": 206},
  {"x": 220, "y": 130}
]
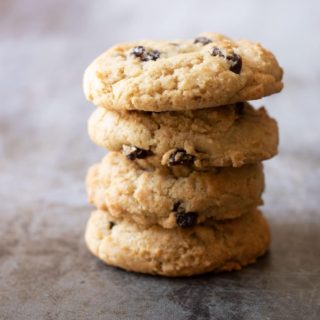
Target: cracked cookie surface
[
  {"x": 217, "y": 246},
  {"x": 208, "y": 71},
  {"x": 158, "y": 197},
  {"x": 231, "y": 135}
]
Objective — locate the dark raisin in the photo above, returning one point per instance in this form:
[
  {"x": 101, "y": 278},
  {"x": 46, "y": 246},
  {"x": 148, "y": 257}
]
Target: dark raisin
[
  {"x": 215, "y": 51},
  {"x": 202, "y": 40},
  {"x": 152, "y": 55},
  {"x": 144, "y": 55},
  {"x": 111, "y": 224},
  {"x": 239, "y": 108},
  {"x": 180, "y": 157},
  {"x": 235, "y": 63},
  {"x": 138, "y": 51},
  {"x": 233, "y": 59},
  {"x": 133, "y": 153},
  {"x": 186, "y": 219}
]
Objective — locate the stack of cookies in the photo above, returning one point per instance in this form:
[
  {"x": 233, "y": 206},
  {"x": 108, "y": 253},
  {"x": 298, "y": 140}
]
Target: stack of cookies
[{"x": 178, "y": 192}]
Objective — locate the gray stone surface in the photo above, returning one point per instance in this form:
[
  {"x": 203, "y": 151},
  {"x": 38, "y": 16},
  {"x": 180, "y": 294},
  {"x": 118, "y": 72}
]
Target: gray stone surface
[{"x": 45, "y": 269}]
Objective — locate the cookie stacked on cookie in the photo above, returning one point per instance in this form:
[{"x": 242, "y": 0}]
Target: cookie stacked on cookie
[{"x": 178, "y": 192}]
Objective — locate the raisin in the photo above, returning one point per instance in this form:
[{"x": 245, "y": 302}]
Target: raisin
[
  {"x": 144, "y": 55},
  {"x": 111, "y": 224},
  {"x": 233, "y": 59},
  {"x": 133, "y": 153},
  {"x": 235, "y": 63},
  {"x": 202, "y": 40},
  {"x": 138, "y": 51},
  {"x": 153, "y": 55},
  {"x": 239, "y": 108},
  {"x": 215, "y": 51},
  {"x": 186, "y": 219},
  {"x": 180, "y": 157}
]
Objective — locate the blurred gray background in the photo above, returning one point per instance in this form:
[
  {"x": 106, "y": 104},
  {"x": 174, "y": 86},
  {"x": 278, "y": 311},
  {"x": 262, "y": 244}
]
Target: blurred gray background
[{"x": 45, "y": 269}]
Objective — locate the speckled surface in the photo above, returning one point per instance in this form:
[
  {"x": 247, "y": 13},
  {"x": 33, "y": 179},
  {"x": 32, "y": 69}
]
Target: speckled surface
[{"x": 45, "y": 270}]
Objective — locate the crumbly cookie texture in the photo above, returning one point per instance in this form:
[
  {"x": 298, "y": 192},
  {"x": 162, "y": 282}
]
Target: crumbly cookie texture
[
  {"x": 219, "y": 246},
  {"x": 208, "y": 71},
  {"x": 158, "y": 197},
  {"x": 231, "y": 135}
]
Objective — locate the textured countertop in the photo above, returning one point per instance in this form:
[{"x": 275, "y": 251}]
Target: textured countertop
[{"x": 45, "y": 270}]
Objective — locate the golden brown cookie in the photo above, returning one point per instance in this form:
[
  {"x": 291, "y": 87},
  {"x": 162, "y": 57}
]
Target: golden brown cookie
[
  {"x": 216, "y": 246},
  {"x": 159, "y": 197},
  {"x": 232, "y": 135},
  {"x": 208, "y": 71}
]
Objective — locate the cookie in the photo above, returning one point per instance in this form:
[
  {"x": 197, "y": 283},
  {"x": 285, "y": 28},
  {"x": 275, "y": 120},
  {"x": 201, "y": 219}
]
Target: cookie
[
  {"x": 217, "y": 246},
  {"x": 232, "y": 135},
  {"x": 158, "y": 197},
  {"x": 208, "y": 71}
]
